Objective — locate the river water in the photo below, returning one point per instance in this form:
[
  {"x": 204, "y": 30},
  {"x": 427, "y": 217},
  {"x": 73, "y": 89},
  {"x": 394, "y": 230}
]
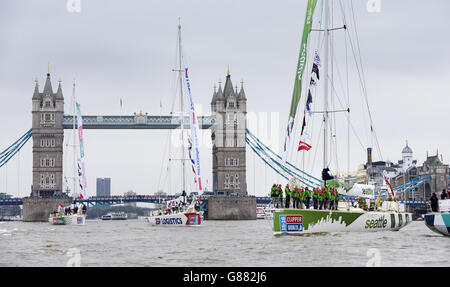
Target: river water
[{"x": 215, "y": 243}]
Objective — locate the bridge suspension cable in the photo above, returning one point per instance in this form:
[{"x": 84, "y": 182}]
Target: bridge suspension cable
[{"x": 9, "y": 152}]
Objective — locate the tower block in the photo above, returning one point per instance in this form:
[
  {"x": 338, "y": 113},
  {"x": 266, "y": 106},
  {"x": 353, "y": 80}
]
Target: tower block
[
  {"x": 48, "y": 136},
  {"x": 228, "y": 140},
  {"x": 230, "y": 200}
]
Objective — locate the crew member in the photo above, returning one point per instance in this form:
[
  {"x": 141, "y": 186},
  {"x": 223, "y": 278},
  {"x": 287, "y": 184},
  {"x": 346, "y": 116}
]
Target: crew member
[
  {"x": 302, "y": 197},
  {"x": 336, "y": 199},
  {"x": 295, "y": 197},
  {"x": 316, "y": 198},
  {"x": 321, "y": 197},
  {"x": 287, "y": 192},
  {"x": 276, "y": 194},
  {"x": 272, "y": 194},
  {"x": 280, "y": 195},
  {"x": 307, "y": 197},
  {"x": 325, "y": 198},
  {"x": 331, "y": 198}
]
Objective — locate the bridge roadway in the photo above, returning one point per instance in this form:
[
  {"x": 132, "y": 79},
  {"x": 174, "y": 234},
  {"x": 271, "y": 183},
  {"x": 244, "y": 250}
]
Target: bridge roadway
[
  {"x": 139, "y": 121},
  {"x": 114, "y": 200}
]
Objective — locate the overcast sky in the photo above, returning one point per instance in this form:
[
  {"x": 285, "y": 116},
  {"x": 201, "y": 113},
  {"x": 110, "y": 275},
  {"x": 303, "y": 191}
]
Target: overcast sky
[{"x": 127, "y": 49}]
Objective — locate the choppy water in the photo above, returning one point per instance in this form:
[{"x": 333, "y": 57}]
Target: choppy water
[{"x": 216, "y": 243}]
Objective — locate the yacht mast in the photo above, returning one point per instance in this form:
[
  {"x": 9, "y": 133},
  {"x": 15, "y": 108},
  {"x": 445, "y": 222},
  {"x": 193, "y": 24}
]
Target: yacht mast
[
  {"x": 325, "y": 88},
  {"x": 180, "y": 71},
  {"x": 74, "y": 143}
]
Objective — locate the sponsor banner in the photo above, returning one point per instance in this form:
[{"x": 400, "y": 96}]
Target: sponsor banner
[
  {"x": 169, "y": 221},
  {"x": 81, "y": 168},
  {"x": 291, "y": 223},
  {"x": 194, "y": 134}
]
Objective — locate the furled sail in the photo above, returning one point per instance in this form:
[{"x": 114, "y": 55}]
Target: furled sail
[{"x": 299, "y": 76}]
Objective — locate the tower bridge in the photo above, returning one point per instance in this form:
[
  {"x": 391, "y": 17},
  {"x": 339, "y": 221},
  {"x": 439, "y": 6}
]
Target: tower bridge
[{"x": 228, "y": 134}]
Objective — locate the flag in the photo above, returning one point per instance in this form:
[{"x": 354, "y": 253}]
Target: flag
[
  {"x": 316, "y": 58},
  {"x": 306, "y": 136},
  {"x": 301, "y": 63},
  {"x": 59, "y": 203},
  {"x": 303, "y": 125},
  {"x": 303, "y": 146},
  {"x": 392, "y": 191},
  {"x": 315, "y": 70},
  {"x": 309, "y": 99},
  {"x": 308, "y": 109}
]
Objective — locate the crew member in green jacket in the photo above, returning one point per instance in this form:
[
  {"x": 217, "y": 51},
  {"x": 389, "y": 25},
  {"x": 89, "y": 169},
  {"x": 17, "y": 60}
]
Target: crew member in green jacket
[
  {"x": 332, "y": 198},
  {"x": 336, "y": 199},
  {"x": 316, "y": 198},
  {"x": 295, "y": 197},
  {"x": 321, "y": 196},
  {"x": 307, "y": 197},
  {"x": 280, "y": 195},
  {"x": 287, "y": 193},
  {"x": 325, "y": 198},
  {"x": 301, "y": 198},
  {"x": 275, "y": 196},
  {"x": 329, "y": 198}
]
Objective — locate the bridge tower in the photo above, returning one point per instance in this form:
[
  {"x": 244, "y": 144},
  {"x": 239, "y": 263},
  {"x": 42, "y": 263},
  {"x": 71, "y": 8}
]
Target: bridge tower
[
  {"x": 228, "y": 139},
  {"x": 48, "y": 135}
]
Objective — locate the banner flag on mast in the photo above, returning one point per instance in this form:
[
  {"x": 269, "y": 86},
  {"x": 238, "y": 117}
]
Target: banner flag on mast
[
  {"x": 81, "y": 166},
  {"x": 392, "y": 191},
  {"x": 299, "y": 76},
  {"x": 194, "y": 133}
]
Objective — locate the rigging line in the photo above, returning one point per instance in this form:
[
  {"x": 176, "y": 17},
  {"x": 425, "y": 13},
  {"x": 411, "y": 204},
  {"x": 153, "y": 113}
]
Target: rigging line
[
  {"x": 364, "y": 83},
  {"x": 348, "y": 93},
  {"x": 18, "y": 174},
  {"x": 316, "y": 150}
]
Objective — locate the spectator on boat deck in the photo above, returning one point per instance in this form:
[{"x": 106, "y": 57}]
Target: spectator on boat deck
[
  {"x": 75, "y": 209},
  {"x": 434, "y": 202},
  {"x": 83, "y": 209},
  {"x": 444, "y": 195}
]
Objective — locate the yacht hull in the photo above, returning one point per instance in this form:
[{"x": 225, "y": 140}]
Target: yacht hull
[{"x": 303, "y": 221}]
